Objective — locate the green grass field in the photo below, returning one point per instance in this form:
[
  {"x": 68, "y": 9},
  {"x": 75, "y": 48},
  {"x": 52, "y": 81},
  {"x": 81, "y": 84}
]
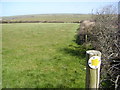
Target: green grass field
[
  {"x": 42, "y": 55},
  {"x": 49, "y": 17}
]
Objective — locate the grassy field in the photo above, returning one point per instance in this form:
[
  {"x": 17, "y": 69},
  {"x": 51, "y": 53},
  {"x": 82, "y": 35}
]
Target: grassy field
[
  {"x": 42, "y": 55},
  {"x": 49, "y": 17}
]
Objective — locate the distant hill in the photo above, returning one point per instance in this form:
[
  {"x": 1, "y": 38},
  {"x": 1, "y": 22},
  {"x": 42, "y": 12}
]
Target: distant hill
[{"x": 47, "y": 18}]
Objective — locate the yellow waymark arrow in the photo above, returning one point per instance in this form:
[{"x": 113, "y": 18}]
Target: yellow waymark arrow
[{"x": 95, "y": 62}]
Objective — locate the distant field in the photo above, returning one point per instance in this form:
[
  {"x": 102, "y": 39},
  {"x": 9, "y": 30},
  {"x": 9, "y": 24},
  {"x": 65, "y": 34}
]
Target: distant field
[
  {"x": 42, "y": 55},
  {"x": 49, "y": 17}
]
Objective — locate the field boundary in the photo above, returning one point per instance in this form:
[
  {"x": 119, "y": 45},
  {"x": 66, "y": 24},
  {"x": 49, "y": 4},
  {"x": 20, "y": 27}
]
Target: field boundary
[{"x": 38, "y": 22}]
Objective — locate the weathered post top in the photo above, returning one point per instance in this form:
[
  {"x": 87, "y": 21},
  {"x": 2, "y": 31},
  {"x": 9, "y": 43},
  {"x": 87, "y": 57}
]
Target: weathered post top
[{"x": 94, "y": 52}]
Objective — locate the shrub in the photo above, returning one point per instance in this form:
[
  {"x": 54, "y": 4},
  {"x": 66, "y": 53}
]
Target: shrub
[
  {"x": 107, "y": 41},
  {"x": 84, "y": 31},
  {"x": 105, "y": 37}
]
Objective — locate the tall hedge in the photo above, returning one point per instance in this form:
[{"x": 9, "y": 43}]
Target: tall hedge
[{"x": 107, "y": 35}]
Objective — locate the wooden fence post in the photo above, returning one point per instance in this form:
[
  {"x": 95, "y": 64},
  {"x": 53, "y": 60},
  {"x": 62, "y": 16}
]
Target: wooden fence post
[
  {"x": 86, "y": 38},
  {"x": 93, "y": 69}
]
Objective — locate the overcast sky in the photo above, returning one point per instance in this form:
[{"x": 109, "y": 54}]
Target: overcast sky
[{"x": 13, "y": 7}]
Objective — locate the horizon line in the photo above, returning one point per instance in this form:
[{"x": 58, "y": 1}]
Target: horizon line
[{"x": 47, "y": 14}]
